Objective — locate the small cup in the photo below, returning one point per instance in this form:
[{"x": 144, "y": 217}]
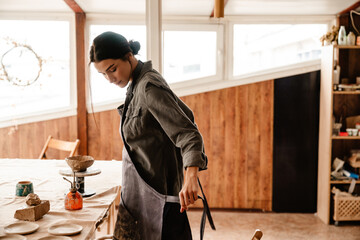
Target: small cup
[
  {"x": 349, "y": 131},
  {"x": 355, "y": 131},
  {"x": 23, "y": 188}
]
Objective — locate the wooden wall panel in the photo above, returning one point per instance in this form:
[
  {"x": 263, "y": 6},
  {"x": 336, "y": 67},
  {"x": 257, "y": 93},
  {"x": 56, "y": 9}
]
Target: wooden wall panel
[
  {"x": 28, "y": 140},
  {"x": 237, "y": 127},
  {"x": 104, "y": 138}
]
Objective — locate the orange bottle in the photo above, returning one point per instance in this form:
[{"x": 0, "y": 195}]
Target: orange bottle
[{"x": 73, "y": 200}]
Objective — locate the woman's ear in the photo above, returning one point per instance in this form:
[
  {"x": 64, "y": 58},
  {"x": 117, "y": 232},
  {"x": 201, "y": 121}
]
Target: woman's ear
[{"x": 128, "y": 56}]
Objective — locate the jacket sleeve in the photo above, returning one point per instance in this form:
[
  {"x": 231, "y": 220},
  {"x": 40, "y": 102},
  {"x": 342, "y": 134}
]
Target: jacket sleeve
[{"x": 163, "y": 105}]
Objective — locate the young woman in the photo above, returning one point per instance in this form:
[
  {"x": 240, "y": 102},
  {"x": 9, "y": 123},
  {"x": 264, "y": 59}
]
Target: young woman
[{"x": 160, "y": 140}]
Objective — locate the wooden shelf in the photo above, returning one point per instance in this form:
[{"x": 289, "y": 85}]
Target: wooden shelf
[
  {"x": 342, "y": 181},
  {"x": 335, "y": 103},
  {"x": 345, "y": 137},
  {"x": 347, "y": 47},
  {"x": 347, "y": 92}
]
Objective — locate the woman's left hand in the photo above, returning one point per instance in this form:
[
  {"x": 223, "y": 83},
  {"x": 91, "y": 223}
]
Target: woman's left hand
[{"x": 188, "y": 194}]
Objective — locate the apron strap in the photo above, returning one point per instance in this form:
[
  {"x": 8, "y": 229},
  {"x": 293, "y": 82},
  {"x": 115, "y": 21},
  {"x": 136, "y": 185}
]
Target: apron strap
[
  {"x": 206, "y": 212},
  {"x": 172, "y": 199}
]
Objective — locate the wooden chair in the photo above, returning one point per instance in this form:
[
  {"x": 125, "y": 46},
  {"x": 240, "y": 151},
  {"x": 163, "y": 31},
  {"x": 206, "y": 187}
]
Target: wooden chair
[{"x": 60, "y": 145}]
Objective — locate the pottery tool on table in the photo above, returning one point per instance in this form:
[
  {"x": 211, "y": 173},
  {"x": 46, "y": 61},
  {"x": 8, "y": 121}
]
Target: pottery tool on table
[{"x": 257, "y": 235}]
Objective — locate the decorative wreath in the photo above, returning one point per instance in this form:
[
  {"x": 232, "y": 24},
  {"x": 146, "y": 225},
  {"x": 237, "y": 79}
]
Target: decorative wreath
[{"x": 20, "y": 50}]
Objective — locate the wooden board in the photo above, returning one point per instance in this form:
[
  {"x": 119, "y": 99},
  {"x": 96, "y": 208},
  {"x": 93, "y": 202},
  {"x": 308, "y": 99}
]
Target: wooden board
[
  {"x": 325, "y": 131},
  {"x": 81, "y": 83},
  {"x": 28, "y": 140},
  {"x": 237, "y": 127}
]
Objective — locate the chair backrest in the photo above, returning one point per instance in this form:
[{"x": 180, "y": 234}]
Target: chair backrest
[{"x": 60, "y": 145}]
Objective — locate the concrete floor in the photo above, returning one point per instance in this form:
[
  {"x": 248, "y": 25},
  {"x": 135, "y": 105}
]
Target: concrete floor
[{"x": 275, "y": 226}]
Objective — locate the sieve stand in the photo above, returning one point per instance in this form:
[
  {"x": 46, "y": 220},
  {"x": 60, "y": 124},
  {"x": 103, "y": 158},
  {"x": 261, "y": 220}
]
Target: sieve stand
[{"x": 80, "y": 179}]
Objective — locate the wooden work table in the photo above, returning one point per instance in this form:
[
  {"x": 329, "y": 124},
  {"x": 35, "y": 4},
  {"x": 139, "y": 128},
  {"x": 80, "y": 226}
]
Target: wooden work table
[{"x": 49, "y": 185}]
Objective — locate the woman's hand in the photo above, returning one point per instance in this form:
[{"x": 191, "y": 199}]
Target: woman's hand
[{"x": 188, "y": 194}]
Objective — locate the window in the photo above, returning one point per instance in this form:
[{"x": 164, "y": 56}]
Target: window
[
  {"x": 260, "y": 47},
  {"x": 190, "y": 53},
  {"x": 50, "y": 40},
  {"x": 102, "y": 91}
]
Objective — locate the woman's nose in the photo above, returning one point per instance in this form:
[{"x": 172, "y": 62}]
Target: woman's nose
[{"x": 111, "y": 79}]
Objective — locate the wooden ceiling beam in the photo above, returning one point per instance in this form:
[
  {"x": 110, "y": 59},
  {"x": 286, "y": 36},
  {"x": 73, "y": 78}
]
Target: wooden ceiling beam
[
  {"x": 352, "y": 7},
  {"x": 74, "y": 6},
  {"x": 219, "y": 4},
  {"x": 82, "y": 122}
]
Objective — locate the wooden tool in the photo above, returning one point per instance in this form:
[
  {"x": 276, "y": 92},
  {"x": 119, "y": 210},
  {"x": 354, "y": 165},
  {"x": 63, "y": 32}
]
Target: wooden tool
[{"x": 257, "y": 235}]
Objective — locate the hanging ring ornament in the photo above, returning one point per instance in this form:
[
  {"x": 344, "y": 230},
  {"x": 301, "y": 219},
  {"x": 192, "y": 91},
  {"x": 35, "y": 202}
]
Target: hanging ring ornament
[{"x": 21, "y": 65}]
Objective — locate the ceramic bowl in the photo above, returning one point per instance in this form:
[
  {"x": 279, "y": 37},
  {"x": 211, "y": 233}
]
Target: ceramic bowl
[{"x": 79, "y": 163}]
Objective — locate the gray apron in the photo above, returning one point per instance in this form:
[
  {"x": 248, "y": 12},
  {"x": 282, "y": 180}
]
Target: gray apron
[
  {"x": 141, "y": 209},
  {"x": 143, "y": 203}
]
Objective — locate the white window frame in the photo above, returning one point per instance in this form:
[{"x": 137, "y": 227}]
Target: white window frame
[
  {"x": 106, "y": 19},
  {"x": 219, "y": 29},
  {"x": 276, "y": 72},
  {"x": 227, "y": 79},
  {"x": 183, "y": 88},
  {"x": 224, "y": 73},
  {"x": 55, "y": 112}
]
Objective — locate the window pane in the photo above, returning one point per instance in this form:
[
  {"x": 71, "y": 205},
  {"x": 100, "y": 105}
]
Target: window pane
[
  {"x": 189, "y": 55},
  {"x": 50, "y": 41},
  {"x": 102, "y": 90},
  {"x": 265, "y": 46}
]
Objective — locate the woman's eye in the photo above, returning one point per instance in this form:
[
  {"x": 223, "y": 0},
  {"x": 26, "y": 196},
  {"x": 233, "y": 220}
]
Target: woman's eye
[{"x": 113, "y": 70}]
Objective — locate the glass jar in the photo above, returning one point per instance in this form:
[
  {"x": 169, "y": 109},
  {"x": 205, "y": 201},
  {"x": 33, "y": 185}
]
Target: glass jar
[{"x": 351, "y": 39}]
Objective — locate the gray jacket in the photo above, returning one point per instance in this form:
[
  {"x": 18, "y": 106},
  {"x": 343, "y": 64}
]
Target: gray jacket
[{"x": 159, "y": 132}]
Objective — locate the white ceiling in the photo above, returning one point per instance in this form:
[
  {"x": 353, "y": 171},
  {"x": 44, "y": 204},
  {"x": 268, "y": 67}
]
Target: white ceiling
[
  {"x": 33, "y": 6},
  {"x": 185, "y": 7},
  {"x": 287, "y": 7}
]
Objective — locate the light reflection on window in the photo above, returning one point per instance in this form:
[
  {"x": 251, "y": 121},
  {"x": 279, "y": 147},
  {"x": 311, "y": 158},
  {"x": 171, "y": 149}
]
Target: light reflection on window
[
  {"x": 103, "y": 91},
  {"x": 50, "y": 40},
  {"x": 264, "y": 46},
  {"x": 189, "y": 55}
]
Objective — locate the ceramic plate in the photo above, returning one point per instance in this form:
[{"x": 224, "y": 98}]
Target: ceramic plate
[
  {"x": 21, "y": 228},
  {"x": 12, "y": 237},
  {"x": 65, "y": 229},
  {"x": 55, "y": 238}
]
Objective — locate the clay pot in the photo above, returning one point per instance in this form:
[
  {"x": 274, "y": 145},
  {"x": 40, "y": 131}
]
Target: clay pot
[{"x": 79, "y": 163}]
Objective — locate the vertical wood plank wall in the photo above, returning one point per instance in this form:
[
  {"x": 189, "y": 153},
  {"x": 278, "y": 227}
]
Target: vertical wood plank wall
[
  {"x": 28, "y": 140},
  {"x": 237, "y": 127}
]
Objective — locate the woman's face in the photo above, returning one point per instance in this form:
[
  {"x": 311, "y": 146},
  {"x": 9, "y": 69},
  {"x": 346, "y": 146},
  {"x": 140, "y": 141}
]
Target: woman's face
[{"x": 116, "y": 71}]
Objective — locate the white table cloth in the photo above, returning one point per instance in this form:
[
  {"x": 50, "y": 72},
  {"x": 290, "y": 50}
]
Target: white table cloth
[{"x": 50, "y": 185}]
